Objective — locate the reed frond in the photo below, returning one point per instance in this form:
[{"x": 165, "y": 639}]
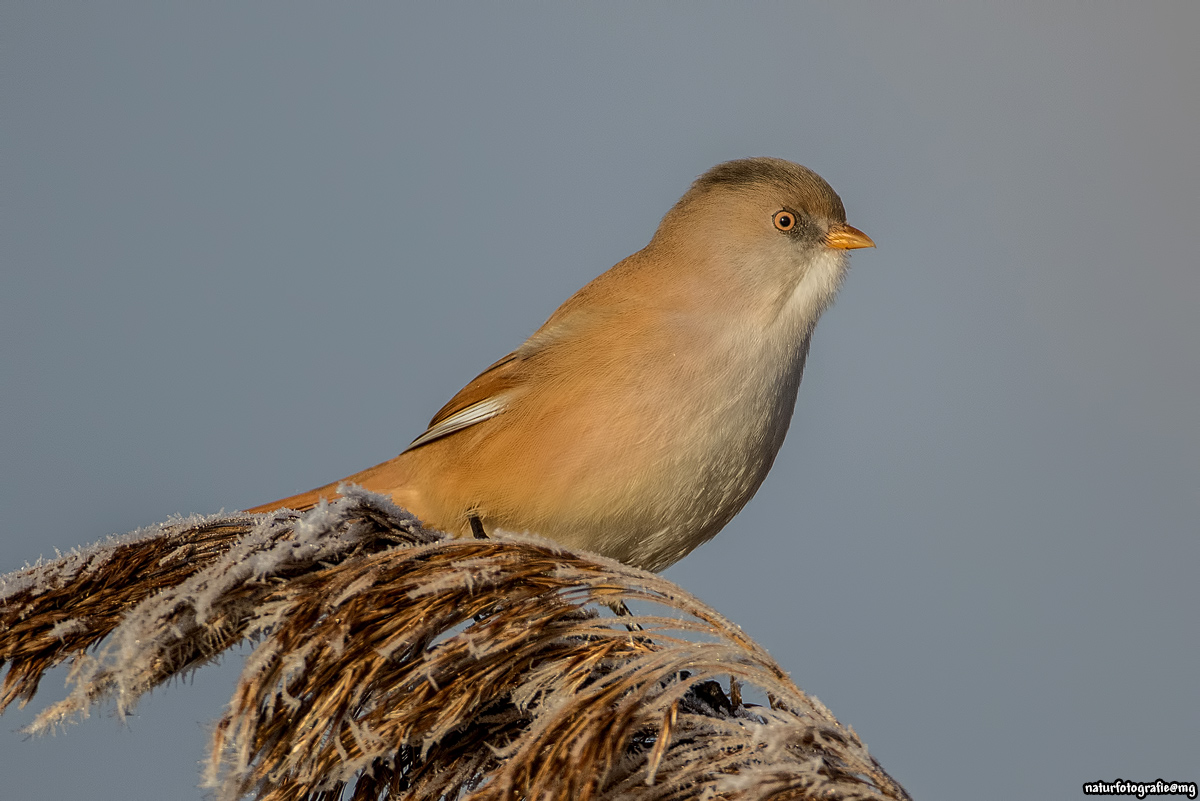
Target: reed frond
[{"x": 390, "y": 661}]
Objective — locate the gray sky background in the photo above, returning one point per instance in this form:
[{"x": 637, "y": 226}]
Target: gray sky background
[{"x": 249, "y": 250}]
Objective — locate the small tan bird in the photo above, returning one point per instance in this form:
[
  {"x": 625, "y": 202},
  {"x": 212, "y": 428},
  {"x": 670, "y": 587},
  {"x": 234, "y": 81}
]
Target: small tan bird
[{"x": 645, "y": 413}]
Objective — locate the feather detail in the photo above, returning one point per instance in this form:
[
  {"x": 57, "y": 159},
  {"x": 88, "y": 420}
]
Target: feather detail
[{"x": 475, "y": 413}]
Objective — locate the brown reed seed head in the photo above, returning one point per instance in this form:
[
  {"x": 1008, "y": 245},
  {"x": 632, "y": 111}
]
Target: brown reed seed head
[{"x": 391, "y": 661}]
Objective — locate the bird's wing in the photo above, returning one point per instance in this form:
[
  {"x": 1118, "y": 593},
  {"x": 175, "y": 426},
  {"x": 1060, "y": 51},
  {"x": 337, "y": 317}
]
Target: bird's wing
[
  {"x": 482, "y": 399},
  {"x": 493, "y": 389}
]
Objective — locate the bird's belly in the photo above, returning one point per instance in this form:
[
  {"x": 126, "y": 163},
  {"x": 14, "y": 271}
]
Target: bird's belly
[{"x": 648, "y": 487}]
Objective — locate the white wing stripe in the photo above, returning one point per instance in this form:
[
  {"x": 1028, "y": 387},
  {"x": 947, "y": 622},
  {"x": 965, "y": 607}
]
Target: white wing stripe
[{"x": 475, "y": 413}]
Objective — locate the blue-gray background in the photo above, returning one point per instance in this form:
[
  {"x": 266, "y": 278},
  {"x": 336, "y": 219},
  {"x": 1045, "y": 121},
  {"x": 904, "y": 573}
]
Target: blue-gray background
[{"x": 249, "y": 250}]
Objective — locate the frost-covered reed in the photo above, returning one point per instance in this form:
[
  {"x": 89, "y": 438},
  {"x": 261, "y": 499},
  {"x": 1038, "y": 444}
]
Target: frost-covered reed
[{"x": 390, "y": 661}]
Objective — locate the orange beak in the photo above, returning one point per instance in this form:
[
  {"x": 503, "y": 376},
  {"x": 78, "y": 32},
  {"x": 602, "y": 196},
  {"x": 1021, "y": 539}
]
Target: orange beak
[{"x": 847, "y": 237}]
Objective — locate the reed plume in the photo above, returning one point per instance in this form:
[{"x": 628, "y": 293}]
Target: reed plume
[{"x": 390, "y": 661}]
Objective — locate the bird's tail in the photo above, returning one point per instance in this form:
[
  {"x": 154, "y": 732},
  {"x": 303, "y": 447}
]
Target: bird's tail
[
  {"x": 388, "y": 478},
  {"x": 301, "y": 502}
]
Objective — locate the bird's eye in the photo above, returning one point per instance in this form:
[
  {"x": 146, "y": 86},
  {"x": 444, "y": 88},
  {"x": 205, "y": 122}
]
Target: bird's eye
[{"x": 784, "y": 220}]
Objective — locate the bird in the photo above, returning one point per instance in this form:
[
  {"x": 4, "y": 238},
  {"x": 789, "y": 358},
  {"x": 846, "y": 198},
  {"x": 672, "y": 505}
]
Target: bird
[{"x": 647, "y": 410}]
